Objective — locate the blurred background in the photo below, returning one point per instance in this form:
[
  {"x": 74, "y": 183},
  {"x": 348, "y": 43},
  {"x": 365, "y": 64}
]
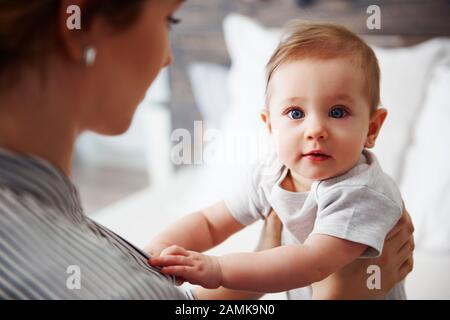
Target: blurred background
[{"x": 215, "y": 89}]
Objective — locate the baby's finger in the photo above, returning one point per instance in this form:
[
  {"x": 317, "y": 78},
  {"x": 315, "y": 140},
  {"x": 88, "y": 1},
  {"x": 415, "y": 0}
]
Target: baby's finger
[
  {"x": 179, "y": 281},
  {"x": 171, "y": 260},
  {"x": 178, "y": 271},
  {"x": 174, "y": 250}
]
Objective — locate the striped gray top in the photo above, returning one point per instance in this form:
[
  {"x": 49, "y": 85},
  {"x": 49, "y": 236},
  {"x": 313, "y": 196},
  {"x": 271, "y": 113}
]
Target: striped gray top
[{"x": 50, "y": 250}]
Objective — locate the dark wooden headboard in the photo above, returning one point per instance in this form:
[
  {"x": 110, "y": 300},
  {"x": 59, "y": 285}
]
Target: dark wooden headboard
[{"x": 199, "y": 37}]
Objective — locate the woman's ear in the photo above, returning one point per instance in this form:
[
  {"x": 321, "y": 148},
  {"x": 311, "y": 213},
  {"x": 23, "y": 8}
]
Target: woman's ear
[
  {"x": 78, "y": 30},
  {"x": 265, "y": 117},
  {"x": 375, "y": 124},
  {"x": 71, "y": 27}
]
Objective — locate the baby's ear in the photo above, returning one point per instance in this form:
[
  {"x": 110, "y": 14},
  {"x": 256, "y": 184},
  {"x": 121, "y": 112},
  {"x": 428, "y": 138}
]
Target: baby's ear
[
  {"x": 375, "y": 124},
  {"x": 265, "y": 117}
]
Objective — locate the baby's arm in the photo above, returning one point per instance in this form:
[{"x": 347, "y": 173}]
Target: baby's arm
[
  {"x": 197, "y": 231},
  {"x": 274, "y": 270}
]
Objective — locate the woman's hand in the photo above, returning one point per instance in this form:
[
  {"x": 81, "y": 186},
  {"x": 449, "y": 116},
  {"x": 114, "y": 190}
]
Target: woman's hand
[
  {"x": 395, "y": 263},
  {"x": 270, "y": 233}
]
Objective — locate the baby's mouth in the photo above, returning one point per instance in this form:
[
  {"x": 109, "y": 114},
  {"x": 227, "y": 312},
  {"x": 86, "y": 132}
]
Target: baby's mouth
[{"x": 316, "y": 155}]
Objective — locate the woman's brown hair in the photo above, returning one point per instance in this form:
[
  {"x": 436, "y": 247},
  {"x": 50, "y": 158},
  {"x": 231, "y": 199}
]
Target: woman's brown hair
[{"x": 28, "y": 28}]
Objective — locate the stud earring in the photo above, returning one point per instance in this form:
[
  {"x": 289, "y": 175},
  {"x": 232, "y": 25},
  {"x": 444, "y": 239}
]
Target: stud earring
[{"x": 89, "y": 55}]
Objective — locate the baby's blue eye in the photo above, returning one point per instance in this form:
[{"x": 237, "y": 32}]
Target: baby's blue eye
[
  {"x": 338, "y": 112},
  {"x": 296, "y": 114}
]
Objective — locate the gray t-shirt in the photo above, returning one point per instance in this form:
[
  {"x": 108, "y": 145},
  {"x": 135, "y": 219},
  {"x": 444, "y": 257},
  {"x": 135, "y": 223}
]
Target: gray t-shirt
[{"x": 361, "y": 205}]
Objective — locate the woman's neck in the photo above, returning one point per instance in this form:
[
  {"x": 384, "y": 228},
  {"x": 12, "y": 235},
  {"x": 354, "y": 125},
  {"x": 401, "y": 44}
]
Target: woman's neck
[
  {"x": 41, "y": 142},
  {"x": 34, "y": 123}
]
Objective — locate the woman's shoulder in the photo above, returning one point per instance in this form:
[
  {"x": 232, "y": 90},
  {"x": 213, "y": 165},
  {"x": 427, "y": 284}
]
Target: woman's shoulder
[{"x": 47, "y": 251}]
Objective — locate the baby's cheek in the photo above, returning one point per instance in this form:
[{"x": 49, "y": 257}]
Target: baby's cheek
[
  {"x": 286, "y": 141},
  {"x": 287, "y": 151},
  {"x": 348, "y": 157}
]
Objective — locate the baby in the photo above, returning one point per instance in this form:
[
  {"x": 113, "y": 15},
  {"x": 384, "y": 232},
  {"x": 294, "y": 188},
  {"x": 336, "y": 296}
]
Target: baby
[{"x": 335, "y": 202}]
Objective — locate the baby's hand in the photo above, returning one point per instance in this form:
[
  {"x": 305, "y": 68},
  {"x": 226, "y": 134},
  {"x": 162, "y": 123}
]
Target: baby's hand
[
  {"x": 192, "y": 266},
  {"x": 154, "y": 249}
]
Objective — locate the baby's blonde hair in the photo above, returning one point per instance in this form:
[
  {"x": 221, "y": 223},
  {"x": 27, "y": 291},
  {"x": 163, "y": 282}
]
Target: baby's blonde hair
[{"x": 324, "y": 41}]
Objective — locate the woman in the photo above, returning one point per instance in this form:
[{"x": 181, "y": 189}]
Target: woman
[{"x": 56, "y": 83}]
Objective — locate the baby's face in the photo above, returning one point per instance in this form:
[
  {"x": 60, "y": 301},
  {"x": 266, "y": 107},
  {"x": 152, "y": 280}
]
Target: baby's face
[{"x": 319, "y": 116}]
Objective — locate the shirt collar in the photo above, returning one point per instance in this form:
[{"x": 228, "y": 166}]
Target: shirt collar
[{"x": 36, "y": 177}]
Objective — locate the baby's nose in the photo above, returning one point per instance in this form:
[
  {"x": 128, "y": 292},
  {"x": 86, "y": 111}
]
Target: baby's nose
[{"x": 316, "y": 131}]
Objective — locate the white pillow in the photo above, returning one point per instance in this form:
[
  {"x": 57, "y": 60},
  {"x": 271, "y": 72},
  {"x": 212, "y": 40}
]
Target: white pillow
[
  {"x": 250, "y": 47},
  {"x": 404, "y": 76},
  {"x": 209, "y": 86},
  {"x": 405, "y": 73},
  {"x": 426, "y": 175}
]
